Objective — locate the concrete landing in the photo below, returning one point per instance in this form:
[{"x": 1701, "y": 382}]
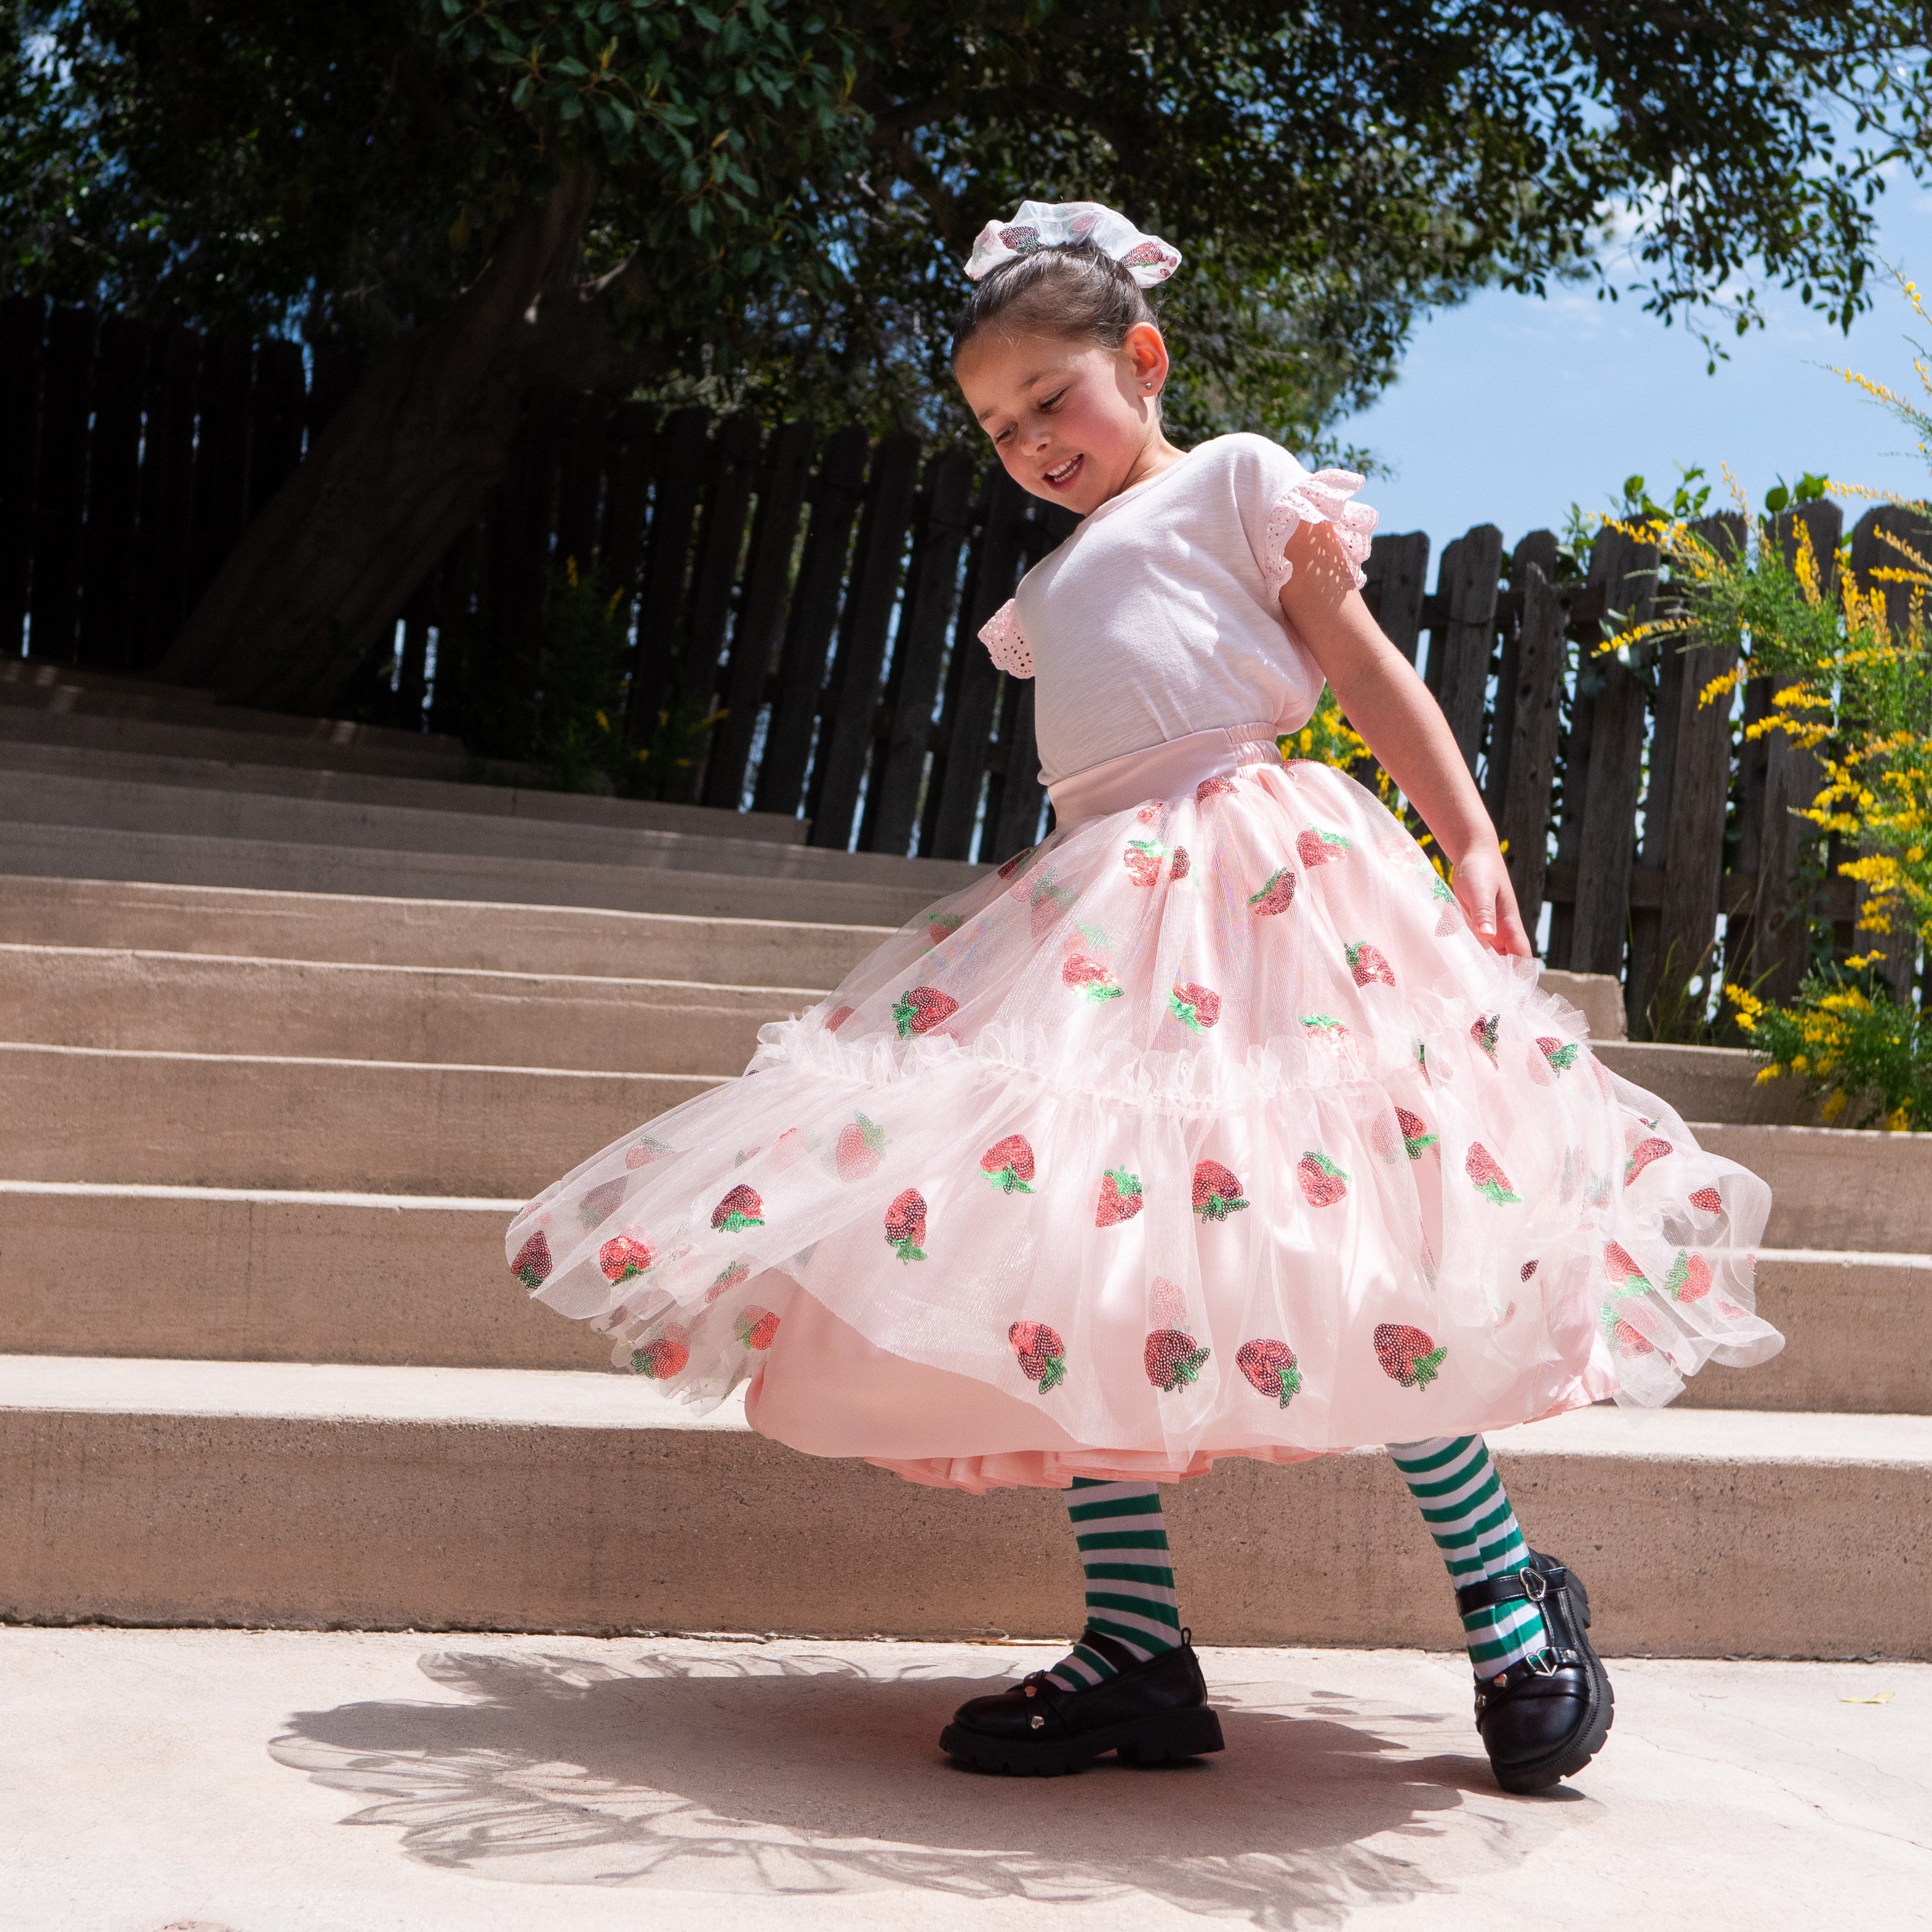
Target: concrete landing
[{"x": 208, "y": 1781}]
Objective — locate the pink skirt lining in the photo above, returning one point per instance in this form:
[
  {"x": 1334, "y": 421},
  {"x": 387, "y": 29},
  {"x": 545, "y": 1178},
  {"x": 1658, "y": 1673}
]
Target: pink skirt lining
[{"x": 825, "y": 1391}]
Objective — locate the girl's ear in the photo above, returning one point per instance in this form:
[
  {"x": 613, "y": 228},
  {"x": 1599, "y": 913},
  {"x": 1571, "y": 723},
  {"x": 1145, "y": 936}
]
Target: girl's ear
[{"x": 1146, "y": 355}]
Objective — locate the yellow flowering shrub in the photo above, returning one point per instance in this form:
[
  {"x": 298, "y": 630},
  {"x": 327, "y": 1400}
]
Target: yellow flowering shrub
[{"x": 1869, "y": 1061}]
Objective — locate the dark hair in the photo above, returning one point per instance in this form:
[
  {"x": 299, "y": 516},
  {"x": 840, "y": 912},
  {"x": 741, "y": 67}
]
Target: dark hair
[{"x": 1079, "y": 291}]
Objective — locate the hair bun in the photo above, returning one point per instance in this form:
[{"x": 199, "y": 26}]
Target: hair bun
[{"x": 1036, "y": 225}]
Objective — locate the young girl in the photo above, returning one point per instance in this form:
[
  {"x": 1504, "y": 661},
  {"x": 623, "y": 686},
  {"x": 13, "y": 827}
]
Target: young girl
[{"x": 1216, "y": 1125}]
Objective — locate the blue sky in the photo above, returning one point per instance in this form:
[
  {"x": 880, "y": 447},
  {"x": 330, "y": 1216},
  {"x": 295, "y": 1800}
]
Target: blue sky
[{"x": 1511, "y": 408}]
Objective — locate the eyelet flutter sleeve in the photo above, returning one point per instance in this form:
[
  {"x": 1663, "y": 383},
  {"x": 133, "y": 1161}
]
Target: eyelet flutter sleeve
[
  {"x": 1000, "y": 634},
  {"x": 1326, "y": 496}
]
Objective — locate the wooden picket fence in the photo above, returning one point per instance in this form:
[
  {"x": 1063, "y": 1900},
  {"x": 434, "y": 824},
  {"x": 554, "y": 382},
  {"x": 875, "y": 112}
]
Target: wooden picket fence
[{"x": 823, "y": 596}]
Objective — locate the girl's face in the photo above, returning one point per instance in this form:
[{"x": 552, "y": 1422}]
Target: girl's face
[{"x": 1073, "y": 421}]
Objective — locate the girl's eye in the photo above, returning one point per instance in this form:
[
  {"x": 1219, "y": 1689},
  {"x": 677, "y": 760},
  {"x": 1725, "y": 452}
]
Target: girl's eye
[{"x": 1053, "y": 401}]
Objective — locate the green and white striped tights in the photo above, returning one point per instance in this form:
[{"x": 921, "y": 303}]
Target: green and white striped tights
[{"x": 1130, "y": 1594}]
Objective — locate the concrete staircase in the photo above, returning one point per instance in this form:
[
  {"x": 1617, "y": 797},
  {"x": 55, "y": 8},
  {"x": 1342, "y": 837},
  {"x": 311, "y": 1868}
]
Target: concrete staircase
[{"x": 282, "y": 1042}]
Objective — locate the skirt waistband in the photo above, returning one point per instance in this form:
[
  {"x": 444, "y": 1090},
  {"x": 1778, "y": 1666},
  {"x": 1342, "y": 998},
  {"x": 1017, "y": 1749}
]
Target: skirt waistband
[{"x": 1161, "y": 771}]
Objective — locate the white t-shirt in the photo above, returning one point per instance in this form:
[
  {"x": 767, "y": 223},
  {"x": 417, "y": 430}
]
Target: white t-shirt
[{"x": 1160, "y": 615}]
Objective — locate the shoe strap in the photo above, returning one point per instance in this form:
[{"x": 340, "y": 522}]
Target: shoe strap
[
  {"x": 1529, "y": 1585},
  {"x": 1544, "y": 1663}
]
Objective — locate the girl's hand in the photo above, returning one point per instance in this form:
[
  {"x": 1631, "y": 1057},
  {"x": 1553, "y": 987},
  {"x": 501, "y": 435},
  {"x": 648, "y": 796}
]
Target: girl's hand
[{"x": 1482, "y": 886}]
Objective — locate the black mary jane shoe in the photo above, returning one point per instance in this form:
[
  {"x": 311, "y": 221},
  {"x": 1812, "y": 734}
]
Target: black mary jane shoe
[
  {"x": 1150, "y": 1713},
  {"x": 1544, "y": 1718}
]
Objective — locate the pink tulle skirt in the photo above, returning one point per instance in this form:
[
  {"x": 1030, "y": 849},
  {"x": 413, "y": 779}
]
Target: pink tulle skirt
[{"x": 1206, "y": 1129}]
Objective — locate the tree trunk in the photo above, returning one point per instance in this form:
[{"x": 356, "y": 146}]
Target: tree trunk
[{"x": 404, "y": 467}]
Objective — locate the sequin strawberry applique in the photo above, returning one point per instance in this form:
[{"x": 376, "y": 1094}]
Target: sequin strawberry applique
[
  {"x": 1120, "y": 1197},
  {"x": 1214, "y": 787},
  {"x": 1642, "y": 1154},
  {"x": 1048, "y": 902},
  {"x": 1689, "y": 1279},
  {"x": 1142, "y": 859},
  {"x": 1091, "y": 978},
  {"x": 1042, "y": 1354},
  {"x": 1217, "y": 1193},
  {"x": 601, "y": 1202},
  {"x": 740, "y": 1209},
  {"x": 1560, "y": 1054},
  {"x": 1624, "y": 1276},
  {"x": 905, "y": 1225},
  {"x": 756, "y": 1329},
  {"x": 1408, "y": 1355},
  {"x": 661, "y": 1361},
  {"x": 1195, "y": 1006},
  {"x": 532, "y": 1264},
  {"x": 1317, "y": 847},
  {"x": 859, "y": 1147},
  {"x": 625, "y": 1256},
  {"x": 1483, "y": 1032},
  {"x": 1486, "y": 1172},
  {"x": 1368, "y": 965},
  {"x": 1008, "y": 1165},
  {"x": 920, "y": 1009},
  {"x": 1173, "y": 1360},
  {"x": 941, "y": 926},
  {"x": 1276, "y": 896},
  {"x": 1018, "y": 859},
  {"x": 1270, "y": 1368},
  {"x": 734, "y": 1274},
  {"x": 1629, "y": 1340},
  {"x": 837, "y": 1018},
  {"x": 1393, "y": 1135},
  {"x": 1179, "y": 866},
  {"x": 1323, "y": 1183},
  {"x": 1709, "y": 1200},
  {"x": 641, "y": 1153}
]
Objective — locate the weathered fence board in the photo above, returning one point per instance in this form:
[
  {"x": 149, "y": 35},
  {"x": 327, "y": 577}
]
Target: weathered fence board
[
  {"x": 760, "y": 628},
  {"x": 1461, "y": 644},
  {"x": 815, "y": 613},
  {"x": 1522, "y": 812},
  {"x": 918, "y": 656}
]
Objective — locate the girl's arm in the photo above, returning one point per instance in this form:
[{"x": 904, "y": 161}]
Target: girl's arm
[{"x": 1390, "y": 707}]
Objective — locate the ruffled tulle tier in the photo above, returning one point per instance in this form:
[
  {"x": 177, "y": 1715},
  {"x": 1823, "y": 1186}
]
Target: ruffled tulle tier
[{"x": 1207, "y": 1129}]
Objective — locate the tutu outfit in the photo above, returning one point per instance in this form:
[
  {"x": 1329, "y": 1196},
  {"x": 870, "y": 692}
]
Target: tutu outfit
[{"x": 1208, "y": 1128}]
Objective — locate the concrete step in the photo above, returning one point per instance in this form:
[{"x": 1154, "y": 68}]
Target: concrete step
[
  {"x": 361, "y": 929},
  {"x": 113, "y": 804},
  {"x": 236, "y": 767},
  {"x": 69, "y": 690},
  {"x": 1834, "y": 1188},
  {"x": 233, "y": 1120},
  {"x": 174, "y": 1002},
  {"x": 108, "y": 740},
  {"x": 857, "y": 895},
  {"x": 1710, "y": 1083},
  {"x": 238, "y": 1274},
  {"x": 266, "y": 1494}
]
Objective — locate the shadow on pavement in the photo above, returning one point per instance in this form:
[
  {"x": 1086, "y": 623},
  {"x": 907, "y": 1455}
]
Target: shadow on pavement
[{"x": 802, "y": 1775}]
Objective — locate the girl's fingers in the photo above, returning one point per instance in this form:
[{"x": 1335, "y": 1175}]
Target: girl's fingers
[{"x": 1513, "y": 937}]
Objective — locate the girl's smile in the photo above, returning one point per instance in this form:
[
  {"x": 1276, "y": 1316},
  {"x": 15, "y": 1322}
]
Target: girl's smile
[{"x": 1073, "y": 421}]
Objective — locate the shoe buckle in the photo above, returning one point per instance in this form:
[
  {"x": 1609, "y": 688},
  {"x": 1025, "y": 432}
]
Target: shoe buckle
[
  {"x": 1544, "y": 1663},
  {"x": 1535, "y": 1584}
]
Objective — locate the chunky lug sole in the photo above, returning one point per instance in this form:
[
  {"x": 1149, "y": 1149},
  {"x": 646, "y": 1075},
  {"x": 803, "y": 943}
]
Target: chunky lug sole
[
  {"x": 1162, "y": 1737},
  {"x": 1570, "y": 1757}
]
